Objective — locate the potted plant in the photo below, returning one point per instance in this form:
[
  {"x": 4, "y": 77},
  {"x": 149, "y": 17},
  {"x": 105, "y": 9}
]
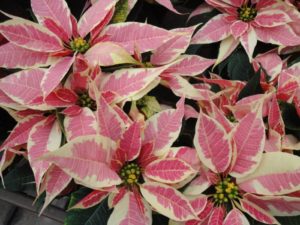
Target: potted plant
[{"x": 191, "y": 122}]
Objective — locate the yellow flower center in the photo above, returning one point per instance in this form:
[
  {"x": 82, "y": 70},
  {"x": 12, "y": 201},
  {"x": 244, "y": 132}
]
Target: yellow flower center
[
  {"x": 79, "y": 45},
  {"x": 130, "y": 173},
  {"x": 225, "y": 190},
  {"x": 246, "y": 13},
  {"x": 84, "y": 100}
]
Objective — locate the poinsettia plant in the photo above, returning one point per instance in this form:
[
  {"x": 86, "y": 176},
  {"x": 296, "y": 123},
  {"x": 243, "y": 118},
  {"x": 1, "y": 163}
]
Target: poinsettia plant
[{"x": 141, "y": 121}]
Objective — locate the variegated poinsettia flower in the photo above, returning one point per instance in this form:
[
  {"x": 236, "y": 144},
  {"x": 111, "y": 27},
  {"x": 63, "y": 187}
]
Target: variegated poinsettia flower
[
  {"x": 285, "y": 79},
  {"x": 131, "y": 166},
  {"x": 229, "y": 91},
  {"x": 58, "y": 39},
  {"x": 40, "y": 123},
  {"x": 242, "y": 178},
  {"x": 249, "y": 21},
  {"x": 179, "y": 67},
  {"x": 284, "y": 82},
  {"x": 57, "y": 36},
  {"x": 37, "y": 132}
]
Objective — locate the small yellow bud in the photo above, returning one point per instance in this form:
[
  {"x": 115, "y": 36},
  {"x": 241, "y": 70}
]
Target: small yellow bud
[
  {"x": 130, "y": 181},
  {"x": 221, "y": 196},
  {"x": 228, "y": 190},
  {"x": 132, "y": 176}
]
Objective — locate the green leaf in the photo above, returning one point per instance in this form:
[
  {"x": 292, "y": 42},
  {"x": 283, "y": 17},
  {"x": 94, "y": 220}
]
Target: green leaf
[
  {"x": 290, "y": 116},
  {"x": 252, "y": 87},
  {"x": 291, "y": 220},
  {"x": 253, "y": 221},
  {"x": 148, "y": 105},
  {"x": 19, "y": 177},
  {"x": 39, "y": 202},
  {"x": 96, "y": 215},
  {"x": 100, "y": 215},
  {"x": 121, "y": 11},
  {"x": 293, "y": 60},
  {"x": 79, "y": 216},
  {"x": 159, "y": 219},
  {"x": 239, "y": 67},
  {"x": 77, "y": 196}
]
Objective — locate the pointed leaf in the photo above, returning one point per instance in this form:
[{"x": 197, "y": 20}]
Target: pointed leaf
[
  {"x": 238, "y": 28},
  {"x": 249, "y": 41},
  {"x": 276, "y": 205},
  {"x": 216, "y": 29},
  {"x": 271, "y": 18},
  {"x": 201, "y": 9},
  {"x": 126, "y": 83},
  {"x": 186, "y": 154},
  {"x": 236, "y": 217},
  {"x": 170, "y": 50},
  {"x": 108, "y": 54},
  {"x": 239, "y": 67},
  {"x": 57, "y": 11},
  {"x": 145, "y": 36},
  {"x": 279, "y": 35},
  {"x": 92, "y": 199},
  {"x": 273, "y": 142},
  {"x": 257, "y": 213},
  {"x": 110, "y": 124},
  {"x": 270, "y": 180},
  {"x": 168, "y": 171},
  {"x": 249, "y": 137},
  {"x": 95, "y": 215},
  {"x": 274, "y": 117},
  {"x": 88, "y": 167},
  {"x": 115, "y": 198},
  {"x": 131, "y": 141},
  {"x": 168, "y": 4},
  {"x": 94, "y": 15},
  {"x": 212, "y": 144},
  {"x": 271, "y": 62},
  {"x": 128, "y": 212},
  {"x": 5, "y": 101},
  {"x": 219, "y": 115},
  {"x": 163, "y": 128},
  {"x": 23, "y": 86},
  {"x": 44, "y": 137},
  {"x": 216, "y": 216},
  {"x": 190, "y": 65},
  {"x": 198, "y": 185},
  {"x": 55, "y": 74},
  {"x": 198, "y": 203},
  {"x": 19, "y": 177},
  {"x": 6, "y": 160},
  {"x": 57, "y": 30},
  {"x": 97, "y": 30},
  {"x": 168, "y": 201},
  {"x": 55, "y": 182},
  {"x": 19, "y": 135},
  {"x": 227, "y": 46},
  {"x": 13, "y": 56},
  {"x": 81, "y": 124},
  {"x": 27, "y": 34},
  {"x": 181, "y": 87}
]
